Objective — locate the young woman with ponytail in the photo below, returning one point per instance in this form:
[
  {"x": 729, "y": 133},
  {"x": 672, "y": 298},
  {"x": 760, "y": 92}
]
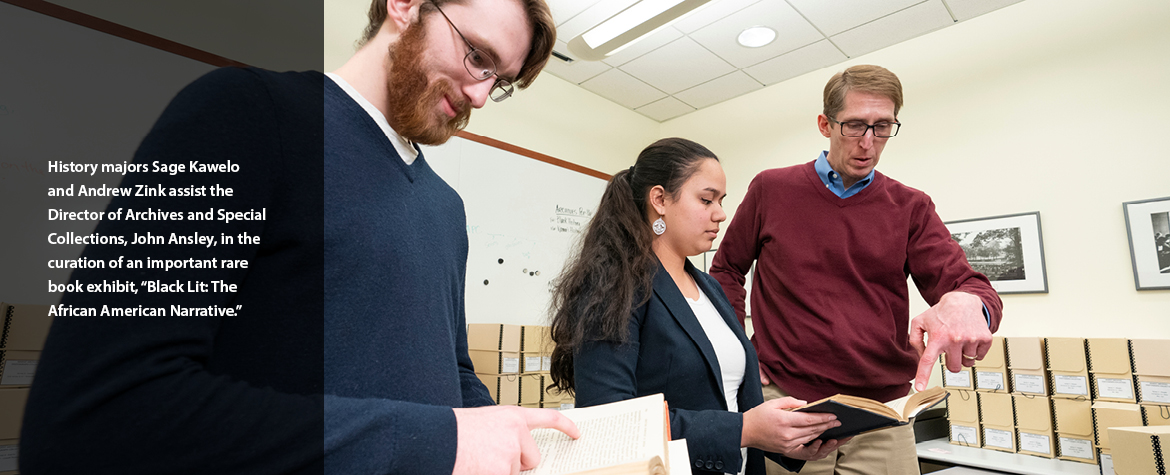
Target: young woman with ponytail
[{"x": 633, "y": 317}]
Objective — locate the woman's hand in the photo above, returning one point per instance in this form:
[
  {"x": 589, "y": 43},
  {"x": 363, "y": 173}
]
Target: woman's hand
[{"x": 770, "y": 427}]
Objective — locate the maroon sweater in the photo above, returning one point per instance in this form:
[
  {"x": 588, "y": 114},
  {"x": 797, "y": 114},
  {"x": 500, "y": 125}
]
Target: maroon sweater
[{"x": 830, "y": 302}]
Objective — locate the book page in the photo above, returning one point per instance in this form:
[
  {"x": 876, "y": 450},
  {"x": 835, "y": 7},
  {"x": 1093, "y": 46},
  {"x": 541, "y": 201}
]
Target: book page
[
  {"x": 914, "y": 404},
  {"x": 612, "y": 434},
  {"x": 680, "y": 457}
]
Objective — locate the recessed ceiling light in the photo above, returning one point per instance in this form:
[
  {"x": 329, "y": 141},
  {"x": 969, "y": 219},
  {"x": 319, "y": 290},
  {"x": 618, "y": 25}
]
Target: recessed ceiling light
[{"x": 756, "y": 36}]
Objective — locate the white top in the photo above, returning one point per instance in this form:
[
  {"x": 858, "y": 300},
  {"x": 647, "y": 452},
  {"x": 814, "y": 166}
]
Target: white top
[
  {"x": 728, "y": 352},
  {"x": 403, "y": 146}
]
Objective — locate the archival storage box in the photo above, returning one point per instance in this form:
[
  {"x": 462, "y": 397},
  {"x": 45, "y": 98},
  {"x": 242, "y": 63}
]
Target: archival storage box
[
  {"x": 12, "y": 411},
  {"x": 17, "y": 367},
  {"x": 998, "y": 419},
  {"x": 963, "y": 418},
  {"x": 1114, "y": 414},
  {"x": 505, "y": 389},
  {"x": 1068, "y": 369},
  {"x": 536, "y": 338},
  {"x": 1111, "y": 369},
  {"x": 1151, "y": 363},
  {"x": 1034, "y": 425},
  {"x": 1026, "y": 364},
  {"x": 25, "y": 326},
  {"x": 1139, "y": 450},
  {"x": 495, "y": 362},
  {"x": 1075, "y": 439},
  {"x": 991, "y": 372}
]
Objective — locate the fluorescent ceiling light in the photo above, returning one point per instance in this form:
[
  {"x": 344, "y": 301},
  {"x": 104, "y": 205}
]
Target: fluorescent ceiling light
[
  {"x": 630, "y": 25},
  {"x": 756, "y": 36},
  {"x": 625, "y": 21}
]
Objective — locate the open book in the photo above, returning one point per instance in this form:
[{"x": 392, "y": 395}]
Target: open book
[
  {"x": 622, "y": 438},
  {"x": 858, "y": 415}
]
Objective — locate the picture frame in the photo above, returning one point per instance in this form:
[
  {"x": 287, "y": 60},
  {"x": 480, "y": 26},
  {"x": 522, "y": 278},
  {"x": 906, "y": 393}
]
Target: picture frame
[
  {"x": 1147, "y": 225},
  {"x": 1008, "y": 249}
]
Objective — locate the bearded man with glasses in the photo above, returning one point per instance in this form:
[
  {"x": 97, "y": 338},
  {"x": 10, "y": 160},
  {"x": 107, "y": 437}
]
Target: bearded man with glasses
[{"x": 833, "y": 241}]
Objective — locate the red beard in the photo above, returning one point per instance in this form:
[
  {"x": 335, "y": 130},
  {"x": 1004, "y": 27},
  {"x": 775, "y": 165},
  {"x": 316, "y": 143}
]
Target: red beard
[{"x": 413, "y": 99}]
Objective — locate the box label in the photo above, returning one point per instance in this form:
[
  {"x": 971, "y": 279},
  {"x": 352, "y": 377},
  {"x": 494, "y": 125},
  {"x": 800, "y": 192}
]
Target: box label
[
  {"x": 962, "y": 379},
  {"x": 964, "y": 435},
  {"x": 1078, "y": 385},
  {"x": 1030, "y": 383},
  {"x": 1076, "y": 448},
  {"x": 1114, "y": 388},
  {"x": 531, "y": 363},
  {"x": 998, "y": 438},
  {"x": 510, "y": 365},
  {"x": 1107, "y": 465},
  {"x": 18, "y": 372},
  {"x": 1035, "y": 443},
  {"x": 8, "y": 457},
  {"x": 1155, "y": 392},
  {"x": 989, "y": 380},
  {"x": 566, "y": 405},
  {"x": 546, "y": 363}
]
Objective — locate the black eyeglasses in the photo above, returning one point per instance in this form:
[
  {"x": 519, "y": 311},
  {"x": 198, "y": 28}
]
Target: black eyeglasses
[
  {"x": 883, "y": 130},
  {"x": 480, "y": 66}
]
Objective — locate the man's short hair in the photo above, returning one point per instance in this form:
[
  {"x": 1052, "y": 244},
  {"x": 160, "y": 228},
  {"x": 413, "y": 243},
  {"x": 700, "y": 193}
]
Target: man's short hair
[
  {"x": 544, "y": 33},
  {"x": 862, "y": 78}
]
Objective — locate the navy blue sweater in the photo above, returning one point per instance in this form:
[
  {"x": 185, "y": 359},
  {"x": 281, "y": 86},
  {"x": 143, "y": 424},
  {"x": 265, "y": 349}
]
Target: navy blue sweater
[{"x": 327, "y": 367}]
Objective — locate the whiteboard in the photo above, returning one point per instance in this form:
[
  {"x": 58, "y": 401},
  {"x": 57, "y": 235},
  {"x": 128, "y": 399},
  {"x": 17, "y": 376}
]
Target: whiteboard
[{"x": 524, "y": 218}]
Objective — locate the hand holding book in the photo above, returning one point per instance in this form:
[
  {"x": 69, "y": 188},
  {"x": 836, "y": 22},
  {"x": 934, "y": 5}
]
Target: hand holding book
[{"x": 774, "y": 427}]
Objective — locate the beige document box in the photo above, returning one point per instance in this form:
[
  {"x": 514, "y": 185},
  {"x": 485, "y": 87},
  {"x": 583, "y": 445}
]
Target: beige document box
[
  {"x": 493, "y": 337},
  {"x": 1068, "y": 368},
  {"x": 991, "y": 372},
  {"x": 1139, "y": 450},
  {"x": 1114, "y": 414},
  {"x": 1034, "y": 425},
  {"x": 534, "y": 362},
  {"x": 25, "y": 326},
  {"x": 1026, "y": 365},
  {"x": 12, "y": 411},
  {"x": 1151, "y": 363},
  {"x": 17, "y": 367},
  {"x": 531, "y": 389},
  {"x": 535, "y": 338},
  {"x": 1111, "y": 370},
  {"x": 998, "y": 420},
  {"x": 1075, "y": 437},
  {"x": 8, "y": 452},
  {"x": 505, "y": 389},
  {"x": 963, "y": 418}
]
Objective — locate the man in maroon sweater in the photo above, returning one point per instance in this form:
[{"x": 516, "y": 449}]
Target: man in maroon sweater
[{"x": 834, "y": 241}]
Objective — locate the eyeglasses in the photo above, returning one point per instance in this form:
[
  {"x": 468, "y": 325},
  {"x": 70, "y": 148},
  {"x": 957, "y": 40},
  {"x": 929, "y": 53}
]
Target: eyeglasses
[
  {"x": 480, "y": 66},
  {"x": 883, "y": 130}
]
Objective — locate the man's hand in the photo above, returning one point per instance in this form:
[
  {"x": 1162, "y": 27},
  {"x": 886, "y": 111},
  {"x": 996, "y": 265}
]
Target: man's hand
[
  {"x": 495, "y": 440},
  {"x": 763, "y": 377},
  {"x": 770, "y": 427},
  {"x": 957, "y": 328}
]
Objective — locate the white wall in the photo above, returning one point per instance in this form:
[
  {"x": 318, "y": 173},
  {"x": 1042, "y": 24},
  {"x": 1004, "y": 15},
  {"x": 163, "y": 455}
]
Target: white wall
[{"x": 1056, "y": 106}]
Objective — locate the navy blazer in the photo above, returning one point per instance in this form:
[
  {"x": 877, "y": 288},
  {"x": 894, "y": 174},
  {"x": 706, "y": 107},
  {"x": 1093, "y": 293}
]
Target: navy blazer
[{"x": 668, "y": 352}]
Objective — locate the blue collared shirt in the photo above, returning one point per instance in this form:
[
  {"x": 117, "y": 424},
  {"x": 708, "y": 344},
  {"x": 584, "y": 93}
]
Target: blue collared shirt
[
  {"x": 833, "y": 182},
  {"x": 832, "y": 179}
]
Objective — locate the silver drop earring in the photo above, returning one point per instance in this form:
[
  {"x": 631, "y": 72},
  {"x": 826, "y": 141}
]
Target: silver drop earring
[{"x": 659, "y": 226}]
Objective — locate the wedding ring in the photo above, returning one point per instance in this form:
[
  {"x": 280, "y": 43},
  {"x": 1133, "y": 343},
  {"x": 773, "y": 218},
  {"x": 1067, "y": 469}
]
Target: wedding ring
[{"x": 968, "y": 357}]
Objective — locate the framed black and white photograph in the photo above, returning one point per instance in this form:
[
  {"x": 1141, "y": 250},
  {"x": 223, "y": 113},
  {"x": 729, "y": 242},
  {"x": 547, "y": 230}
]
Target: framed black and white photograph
[
  {"x": 1148, "y": 224},
  {"x": 1008, "y": 249}
]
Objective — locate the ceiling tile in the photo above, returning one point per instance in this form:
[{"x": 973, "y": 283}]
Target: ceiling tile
[
  {"x": 563, "y": 10},
  {"x": 835, "y": 16},
  {"x": 664, "y": 109},
  {"x": 623, "y": 89},
  {"x": 719, "y": 90},
  {"x": 677, "y": 66},
  {"x": 590, "y": 17},
  {"x": 710, "y": 13},
  {"x": 909, "y": 23},
  {"x": 809, "y": 58},
  {"x": 968, "y": 9},
  {"x": 576, "y": 72},
  {"x": 792, "y": 33},
  {"x": 645, "y": 45}
]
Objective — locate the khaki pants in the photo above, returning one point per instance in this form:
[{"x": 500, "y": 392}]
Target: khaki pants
[{"x": 885, "y": 452}]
